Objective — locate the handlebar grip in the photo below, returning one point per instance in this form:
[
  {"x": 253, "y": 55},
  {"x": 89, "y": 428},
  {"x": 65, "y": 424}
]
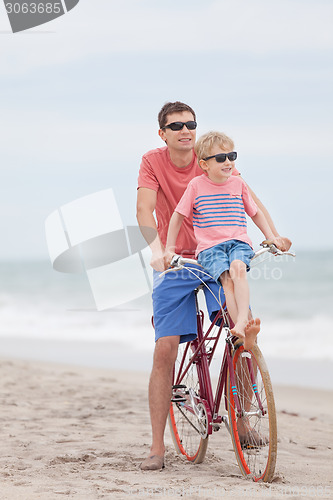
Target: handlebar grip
[
  {"x": 174, "y": 260},
  {"x": 272, "y": 248},
  {"x": 266, "y": 243}
]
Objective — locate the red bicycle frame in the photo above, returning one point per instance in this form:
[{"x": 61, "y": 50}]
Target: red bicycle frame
[{"x": 202, "y": 357}]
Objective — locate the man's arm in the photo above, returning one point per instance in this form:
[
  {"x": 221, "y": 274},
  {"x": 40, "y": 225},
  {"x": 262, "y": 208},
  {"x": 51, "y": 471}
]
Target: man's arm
[
  {"x": 145, "y": 207},
  {"x": 282, "y": 242}
]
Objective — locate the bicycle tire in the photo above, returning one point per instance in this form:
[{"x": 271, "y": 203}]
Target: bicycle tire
[
  {"x": 183, "y": 423},
  {"x": 256, "y": 451}
]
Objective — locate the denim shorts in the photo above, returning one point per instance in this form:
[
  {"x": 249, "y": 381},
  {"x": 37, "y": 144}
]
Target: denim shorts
[
  {"x": 174, "y": 302},
  {"x": 218, "y": 258}
]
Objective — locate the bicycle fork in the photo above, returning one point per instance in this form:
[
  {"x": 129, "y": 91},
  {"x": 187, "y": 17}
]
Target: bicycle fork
[{"x": 241, "y": 411}]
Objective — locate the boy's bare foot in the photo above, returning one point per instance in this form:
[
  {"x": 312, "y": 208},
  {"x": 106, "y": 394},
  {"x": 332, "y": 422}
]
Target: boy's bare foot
[
  {"x": 239, "y": 330},
  {"x": 251, "y": 331}
]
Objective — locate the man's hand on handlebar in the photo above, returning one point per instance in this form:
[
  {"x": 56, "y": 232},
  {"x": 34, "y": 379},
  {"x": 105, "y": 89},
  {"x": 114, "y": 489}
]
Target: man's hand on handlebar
[
  {"x": 161, "y": 260},
  {"x": 168, "y": 255},
  {"x": 157, "y": 261}
]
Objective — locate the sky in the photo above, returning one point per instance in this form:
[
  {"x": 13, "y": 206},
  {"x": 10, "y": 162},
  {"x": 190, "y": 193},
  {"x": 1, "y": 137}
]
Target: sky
[{"x": 79, "y": 98}]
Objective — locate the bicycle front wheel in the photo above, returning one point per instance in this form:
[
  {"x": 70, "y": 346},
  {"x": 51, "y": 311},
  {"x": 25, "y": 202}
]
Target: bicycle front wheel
[
  {"x": 188, "y": 428},
  {"x": 254, "y": 429}
]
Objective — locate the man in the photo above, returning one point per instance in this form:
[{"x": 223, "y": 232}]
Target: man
[{"x": 163, "y": 177}]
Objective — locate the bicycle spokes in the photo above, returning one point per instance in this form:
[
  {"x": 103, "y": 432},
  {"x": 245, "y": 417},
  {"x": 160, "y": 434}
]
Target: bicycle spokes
[
  {"x": 252, "y": 419},
  {"x": 188, "y": 416}
]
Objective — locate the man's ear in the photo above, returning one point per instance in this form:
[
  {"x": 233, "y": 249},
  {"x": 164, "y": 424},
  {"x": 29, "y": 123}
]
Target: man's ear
[{"x": 162, "y": 134}]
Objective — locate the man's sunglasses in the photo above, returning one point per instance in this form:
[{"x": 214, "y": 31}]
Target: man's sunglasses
[
  {"x": 221, "y": 157},
  {"x": 179, "y": 125}
]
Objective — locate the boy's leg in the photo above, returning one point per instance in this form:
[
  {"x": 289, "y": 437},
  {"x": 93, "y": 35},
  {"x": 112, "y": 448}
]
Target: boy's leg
[
  {"x": 243, "y": 326},
  {"x": 242, "y": 297},
  {"x": 228, "y": 287}
]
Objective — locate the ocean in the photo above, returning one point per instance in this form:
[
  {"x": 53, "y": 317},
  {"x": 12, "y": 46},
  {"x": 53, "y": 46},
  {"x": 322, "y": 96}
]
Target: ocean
[{"x": 50, "y": 316}]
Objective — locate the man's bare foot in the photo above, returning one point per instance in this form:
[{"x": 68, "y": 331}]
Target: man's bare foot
[
  {"x": 251, "y": 331},
  {"x": 239, "y": 330},
  {"x": 252, "y": 439},
  {"x": 248, "y": 436},
  {"x": 153, "y": 462}
]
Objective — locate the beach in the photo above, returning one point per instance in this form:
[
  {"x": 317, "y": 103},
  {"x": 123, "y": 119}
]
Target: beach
[
  {"x": 73, "y": 390},
  {"x": 81, "y": 433}
]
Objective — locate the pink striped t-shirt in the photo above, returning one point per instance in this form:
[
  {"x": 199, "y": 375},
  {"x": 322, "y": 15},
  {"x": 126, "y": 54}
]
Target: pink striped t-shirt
[
  {"x": 218, "y": 210},
  {"x": 157, "y": 172}
]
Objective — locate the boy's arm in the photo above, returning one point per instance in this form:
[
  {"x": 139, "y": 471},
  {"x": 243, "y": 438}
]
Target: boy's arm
[
  {"x": 261, "y": 222},
  {"x": 282, "y": 242},
  {"x": 175, "y": 224},
  {"x": 146, "y": 203}
]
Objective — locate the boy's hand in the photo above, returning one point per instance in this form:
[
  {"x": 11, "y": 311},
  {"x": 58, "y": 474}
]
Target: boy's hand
[{"x": 282, "y": 243}]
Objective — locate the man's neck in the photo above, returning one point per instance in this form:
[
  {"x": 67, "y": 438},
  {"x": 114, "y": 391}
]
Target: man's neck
[{"x": 181, "y": 160}]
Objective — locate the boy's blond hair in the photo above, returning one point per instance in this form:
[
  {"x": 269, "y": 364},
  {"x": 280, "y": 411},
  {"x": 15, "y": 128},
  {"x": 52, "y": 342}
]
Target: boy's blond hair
[{"x": 205, "y": 144}]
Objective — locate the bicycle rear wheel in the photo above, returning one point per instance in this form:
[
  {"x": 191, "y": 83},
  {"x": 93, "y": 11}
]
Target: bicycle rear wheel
[
  {"x": 254, "y": 432},
  {"x": 188, "y": 431}
]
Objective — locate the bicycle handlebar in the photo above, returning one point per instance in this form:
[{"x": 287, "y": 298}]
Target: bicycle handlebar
[
  {"x": 178, "y": 262},
  {"x": 268, "y": 246}
]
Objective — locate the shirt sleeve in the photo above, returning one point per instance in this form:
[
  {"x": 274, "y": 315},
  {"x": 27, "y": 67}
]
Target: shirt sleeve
[
  {"x": 147, "y": 177},
  {"x": 185, "y": 205},
  {"x": 249, "y": 204}
]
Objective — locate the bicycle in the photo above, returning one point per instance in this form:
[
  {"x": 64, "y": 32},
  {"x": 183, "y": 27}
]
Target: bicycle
[{"x": 244, "y": 382}]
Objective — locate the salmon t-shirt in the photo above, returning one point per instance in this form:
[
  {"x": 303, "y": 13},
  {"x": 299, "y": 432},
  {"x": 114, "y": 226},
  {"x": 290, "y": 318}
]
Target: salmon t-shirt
[
  {"x": 157, "y": 172},
  {"x": 217, "y": 211}
]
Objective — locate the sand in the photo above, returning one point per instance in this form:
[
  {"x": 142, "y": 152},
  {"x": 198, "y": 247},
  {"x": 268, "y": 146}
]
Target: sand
[{"x": 81, "y": 433}]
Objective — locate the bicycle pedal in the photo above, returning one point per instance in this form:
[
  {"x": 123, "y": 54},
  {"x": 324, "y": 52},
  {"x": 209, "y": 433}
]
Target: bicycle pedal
[
  {"x": 237, "y": 344},
  {"x": 247, "y": 446},
  {"x": 177, "y": 398}
]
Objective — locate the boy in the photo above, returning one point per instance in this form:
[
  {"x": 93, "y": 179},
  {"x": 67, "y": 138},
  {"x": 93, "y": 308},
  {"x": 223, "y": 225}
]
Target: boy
[{"x": 216, "y": 202}]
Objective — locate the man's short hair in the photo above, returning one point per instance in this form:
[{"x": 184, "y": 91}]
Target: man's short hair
[
  {"x": 173, "y": 107},
  {"x": 206, "y": 142}
]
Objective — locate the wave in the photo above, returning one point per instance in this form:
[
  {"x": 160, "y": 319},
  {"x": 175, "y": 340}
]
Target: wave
[
  {"x": 287, "y": 338},
  {"x": 309, "y": 338}
]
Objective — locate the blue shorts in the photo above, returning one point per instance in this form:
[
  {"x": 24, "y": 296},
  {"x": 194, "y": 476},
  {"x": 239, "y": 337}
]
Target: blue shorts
[
  {"x": 174, "y": 303},
  {"x": 218, "y": 258}
]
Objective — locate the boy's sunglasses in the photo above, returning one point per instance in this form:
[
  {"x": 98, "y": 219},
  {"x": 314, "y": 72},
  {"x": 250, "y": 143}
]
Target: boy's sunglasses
[
  {"x": 221, "y": 157},
  {"x": 179, "y": 125}
]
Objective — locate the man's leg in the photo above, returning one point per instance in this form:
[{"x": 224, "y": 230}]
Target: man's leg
[
  {"x": 160, "y": 388},
  {"x": 174, "y": 311}
]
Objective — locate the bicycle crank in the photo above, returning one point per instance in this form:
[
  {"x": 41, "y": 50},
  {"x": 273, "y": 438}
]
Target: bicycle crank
[{"x": 203, "y": 414}]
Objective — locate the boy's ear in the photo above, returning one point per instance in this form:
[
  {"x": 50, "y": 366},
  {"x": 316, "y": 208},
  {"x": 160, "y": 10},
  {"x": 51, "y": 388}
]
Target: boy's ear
[{"x": 203, "y": 165}]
